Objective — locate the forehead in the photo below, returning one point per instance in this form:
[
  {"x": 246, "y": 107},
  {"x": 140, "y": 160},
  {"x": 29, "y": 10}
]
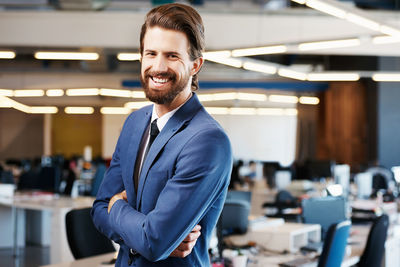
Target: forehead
[{"x": 165, "y": 40}]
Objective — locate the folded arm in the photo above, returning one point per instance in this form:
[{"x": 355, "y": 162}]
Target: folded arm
[{"x": 202, "y": 173}]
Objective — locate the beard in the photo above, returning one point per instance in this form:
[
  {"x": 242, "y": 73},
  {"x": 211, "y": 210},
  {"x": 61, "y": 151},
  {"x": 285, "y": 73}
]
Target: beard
[{"x": 165, "y": 96}]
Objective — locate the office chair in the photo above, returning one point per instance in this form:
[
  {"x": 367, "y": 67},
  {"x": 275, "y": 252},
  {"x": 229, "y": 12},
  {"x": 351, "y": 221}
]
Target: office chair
[
  {"x": 239, "y": 195},
  {"x": 98, "y": 178},
  {"x": 283, "y": 200},
  {"x": 233, "y": 220},
  {"x": 335, "y": 243},
  {"x": 83, "y": 238},
  {"x": 375, "y": 247}
]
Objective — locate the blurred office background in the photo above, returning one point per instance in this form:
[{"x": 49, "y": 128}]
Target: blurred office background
[{"x": 299, "y": 89}]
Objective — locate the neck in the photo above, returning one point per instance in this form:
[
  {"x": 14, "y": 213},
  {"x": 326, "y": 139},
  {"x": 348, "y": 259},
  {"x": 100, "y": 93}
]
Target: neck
[{"x": 181, "y": 98}]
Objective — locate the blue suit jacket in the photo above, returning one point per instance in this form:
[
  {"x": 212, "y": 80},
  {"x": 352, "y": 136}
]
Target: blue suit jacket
[{"x": 183, "y": 182}]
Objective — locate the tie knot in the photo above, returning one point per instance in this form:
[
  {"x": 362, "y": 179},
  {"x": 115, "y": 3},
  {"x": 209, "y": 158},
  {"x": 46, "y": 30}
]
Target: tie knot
[{"x": 154, "y": 129}]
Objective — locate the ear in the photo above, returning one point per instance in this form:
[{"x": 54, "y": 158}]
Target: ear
[{"x": 197, "y": 63}]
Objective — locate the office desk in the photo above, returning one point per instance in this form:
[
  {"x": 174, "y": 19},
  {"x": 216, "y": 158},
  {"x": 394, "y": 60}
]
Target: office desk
[
  {"x": 95, "y": 261},
  {"x": 57, "y": 206},
  {"x": 272, "y": 258}
]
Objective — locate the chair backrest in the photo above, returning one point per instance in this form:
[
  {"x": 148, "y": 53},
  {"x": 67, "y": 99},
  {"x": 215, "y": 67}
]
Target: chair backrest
[
  {"x": 83, "y": 238},
  {"x": 375, "y": 247},
  {"x": 98, "y": 178},
  {"x": 335, "y": 245}
]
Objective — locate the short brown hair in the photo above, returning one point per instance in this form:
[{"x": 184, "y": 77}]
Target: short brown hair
[{"x": 181, "y": 18}]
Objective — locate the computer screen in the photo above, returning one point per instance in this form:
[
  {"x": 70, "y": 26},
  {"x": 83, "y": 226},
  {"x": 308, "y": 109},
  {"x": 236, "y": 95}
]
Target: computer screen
[
  {"x": 324, "y": 211},
  {"x": 319, "y": 169}
]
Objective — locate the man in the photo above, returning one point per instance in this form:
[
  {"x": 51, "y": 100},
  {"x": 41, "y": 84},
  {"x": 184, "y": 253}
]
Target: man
[{"x": 161, "y": 188}]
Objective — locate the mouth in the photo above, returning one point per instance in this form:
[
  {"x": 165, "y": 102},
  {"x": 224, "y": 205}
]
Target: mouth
[{"x": 159, "y": 82}]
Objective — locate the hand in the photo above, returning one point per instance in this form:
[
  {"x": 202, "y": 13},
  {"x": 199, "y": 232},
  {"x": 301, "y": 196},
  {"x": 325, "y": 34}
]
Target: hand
[
  {"x": 185, "y": 248},
  {"x": 116, "y": 197}
]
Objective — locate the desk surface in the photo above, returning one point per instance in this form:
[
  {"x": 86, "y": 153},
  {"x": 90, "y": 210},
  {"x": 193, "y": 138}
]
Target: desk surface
[{"x": 95, "y": 261}]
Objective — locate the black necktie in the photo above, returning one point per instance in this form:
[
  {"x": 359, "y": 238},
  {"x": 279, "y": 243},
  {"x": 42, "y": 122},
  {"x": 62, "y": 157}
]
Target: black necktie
[{"x": 153, "y": 133}]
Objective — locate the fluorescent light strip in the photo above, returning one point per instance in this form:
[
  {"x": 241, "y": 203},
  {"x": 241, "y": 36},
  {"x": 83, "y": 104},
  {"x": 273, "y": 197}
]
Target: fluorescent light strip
[
  {"x": 242, "y": 111},
  {"x": 326, "y": 8},
  {"x": 283, "y": 99},
  {"x": 6, "y": 102},
  {"x": 329, "y": 44},
  {"x": 138, "y": 94},
  {"x": 6, "y": 92},
  {"x": 386, "y": 77},
  {"x": 54, "y": 92},
  {"x": 232, "y": 62},
  {"x": 28, "y": 93},
  {"x": 114, "y": 110},
  {"x": 232, "y": 96},
  {"x": 251, "y": 96},
  {"x": 288, "y": 73},
  {"x": 7, "y": 54},
  {"x": 389, "y": 31},
  {"x": 21, "y": 107},
  {"x": 276, "y": 49},
  {"x": 115, "y": 92},
  {"x": 252, "y": 111},
  {"x": 128, "y": 56},
  {"x": 43, "y": 110},
  {"x": 66, "y": 55},
  {"x": 333, "y": 76},
  {"x": 217, "y": 110},
  {"x": 137, "y": 105},
  {"x": 83, "y": 92},
  {"x": 309, "y": 100},
  {"x": 362, "y": 21},
  {"x": 260, "y": 67},
  {"x": 291, "y": 112},
  {"x": 216, "y": 54},
  {"x": 385, "y": 39},
  {"x": 79, "y": 110}
]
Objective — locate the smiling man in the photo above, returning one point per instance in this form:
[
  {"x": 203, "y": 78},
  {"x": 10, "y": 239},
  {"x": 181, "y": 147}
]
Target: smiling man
[{"x": 167, "y": 182}]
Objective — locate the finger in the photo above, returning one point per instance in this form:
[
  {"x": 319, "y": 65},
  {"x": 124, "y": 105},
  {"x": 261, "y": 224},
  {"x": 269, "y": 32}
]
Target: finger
[
  {"x": 197, "y": 228},
  {"x": 192, "y": 236},
  {"x": 179, "y": 253},
  {"x": 124, "y": 196}
]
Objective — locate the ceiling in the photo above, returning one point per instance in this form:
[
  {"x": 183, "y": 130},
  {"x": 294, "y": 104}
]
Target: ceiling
[{"x": 29, "y": 26}]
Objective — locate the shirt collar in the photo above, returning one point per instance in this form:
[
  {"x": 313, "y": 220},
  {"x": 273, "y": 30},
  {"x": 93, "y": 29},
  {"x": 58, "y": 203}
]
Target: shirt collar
[{"x": 162, "y": 121}]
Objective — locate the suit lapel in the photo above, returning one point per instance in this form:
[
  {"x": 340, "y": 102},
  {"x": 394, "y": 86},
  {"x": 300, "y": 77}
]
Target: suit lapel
[
  {"x": 134, "y": 144},
  {"x": 176, "y": 122}
]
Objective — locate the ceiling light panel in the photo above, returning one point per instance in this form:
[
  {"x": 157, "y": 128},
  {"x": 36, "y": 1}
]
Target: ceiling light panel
[
  {"x": 128, "y": 56},
  {"x": 83, "y": 92},
  {"x": 115, "y": 92},
  {"x": 138, "y": 94},
  {"x": 326, "y": 8},
  {"x": 362, "y": 21},
  {"x": 260, "y": 67},
  {"x": 309, "y": 100},
  {"x": 66, "y": 55},
  {"x": 43, "y": 110},
  {"x": 385, "y": 39},
  {"x": 337, "y": 76},
  {"x": 217, "y": 110},
  {"x": 137, "y": 105},
  {"x": 386, "y": 77},
  {"x": 79, "y": 110},
  {"x": 29, "y": 93},
  {"x": 283, "y": 99},
  {"x": 329, "y": 44},
  {"x": 114, "y": 110},
  {"x": 6, "y": 92},
  {"x": 288, "y": 73},
  {"x": 216, "y": 54},
  {"x": 277, "y": 49},
  {"x": 232, "y": 62},
  {"x": 7, "y": 54},
  {"x": 54, "y": 92}
]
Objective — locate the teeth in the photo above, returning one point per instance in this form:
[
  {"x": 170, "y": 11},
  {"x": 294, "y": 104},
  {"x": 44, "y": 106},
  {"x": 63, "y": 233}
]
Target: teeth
[{"x": 157, "y": 80}]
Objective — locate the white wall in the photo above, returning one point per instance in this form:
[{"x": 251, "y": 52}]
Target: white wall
[{"x": 264, "y": 138}]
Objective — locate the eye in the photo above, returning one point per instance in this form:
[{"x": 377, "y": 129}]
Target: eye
[
  {"x": 150, "y": 53},
  {"x": 172, "y": 56}
]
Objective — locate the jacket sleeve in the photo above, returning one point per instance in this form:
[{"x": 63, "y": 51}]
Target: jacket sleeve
[{"x": 201, "y": 176}]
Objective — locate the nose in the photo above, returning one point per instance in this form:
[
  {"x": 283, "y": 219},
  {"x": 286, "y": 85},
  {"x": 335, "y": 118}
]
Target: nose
[{"x": 160, "y": 64}]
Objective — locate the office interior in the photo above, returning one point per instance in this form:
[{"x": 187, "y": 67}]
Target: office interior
[{"x": 308, "y": 97}]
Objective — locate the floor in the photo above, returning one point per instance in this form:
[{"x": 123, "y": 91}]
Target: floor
[{"x": 30, "y": 256}]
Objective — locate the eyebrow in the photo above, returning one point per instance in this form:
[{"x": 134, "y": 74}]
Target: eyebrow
[{"x": 168, "y": 52}]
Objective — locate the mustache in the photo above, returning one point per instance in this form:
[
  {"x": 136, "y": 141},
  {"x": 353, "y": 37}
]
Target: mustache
[{"x": 164, "y": 74}]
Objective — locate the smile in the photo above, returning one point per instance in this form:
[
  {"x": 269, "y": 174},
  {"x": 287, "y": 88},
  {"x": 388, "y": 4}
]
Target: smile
[{"x": 159, "y": 80}]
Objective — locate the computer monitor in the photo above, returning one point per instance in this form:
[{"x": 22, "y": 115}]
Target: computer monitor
[
  {"x": 324, "y": 211},
  {"x": 319, "y": 169}
]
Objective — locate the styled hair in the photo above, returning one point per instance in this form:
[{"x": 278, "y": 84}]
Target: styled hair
[{"x": 182, "y": 18}]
